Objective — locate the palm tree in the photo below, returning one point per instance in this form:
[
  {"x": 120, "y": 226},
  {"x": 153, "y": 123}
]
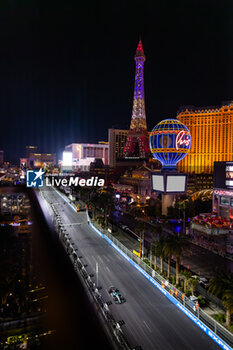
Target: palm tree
[
  {"x": 157, "y": 231},
  {"x": 168, "y": 251},
  {"x": 182, "y": 206},
  {"x": 228, "y": 304},
  {"x": 186, "y": 275},
  {"x": 192, "y": 282},
  {"x": 106, "y": 203},
  {"x": 179, "y": 245},
  {"x": 153, "y": 230},
  {"x": 139, "y": 229},
  {"x": 154, "y": 251},
  {"x": 158, "y": 250},
  {"x": 94, "y": 200},
  {"x": 222, "y": 285}
]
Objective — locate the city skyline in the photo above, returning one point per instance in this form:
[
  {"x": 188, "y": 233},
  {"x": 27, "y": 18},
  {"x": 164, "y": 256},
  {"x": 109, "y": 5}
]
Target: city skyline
[
  {"x": 65, "y": 67},
  {"x": 116, "y": 178}
]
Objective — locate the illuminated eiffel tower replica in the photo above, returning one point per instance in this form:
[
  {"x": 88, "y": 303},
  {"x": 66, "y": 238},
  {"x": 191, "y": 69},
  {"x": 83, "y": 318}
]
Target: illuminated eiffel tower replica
[{"x": 137, "y": 144}]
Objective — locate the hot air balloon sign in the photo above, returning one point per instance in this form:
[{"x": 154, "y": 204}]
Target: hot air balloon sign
[{"x": 170, "y": 141}]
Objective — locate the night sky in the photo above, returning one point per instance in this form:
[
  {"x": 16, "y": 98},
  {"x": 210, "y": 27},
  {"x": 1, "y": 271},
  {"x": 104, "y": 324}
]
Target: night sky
[{"x": 67, "y": 68}]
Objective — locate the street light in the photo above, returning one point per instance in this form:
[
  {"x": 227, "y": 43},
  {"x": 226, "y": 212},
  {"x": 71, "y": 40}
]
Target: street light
[
  {"x": 184, "y": 217},
  {"x": 142, "y": 244}
]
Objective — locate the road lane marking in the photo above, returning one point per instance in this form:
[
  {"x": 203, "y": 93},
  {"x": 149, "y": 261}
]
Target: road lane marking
[
  {"x": 72, "y": 224},
  {"x": 147, "y": 325},
  {"x": 108, "y": 260},
  {"x": 100, "y": 259}
]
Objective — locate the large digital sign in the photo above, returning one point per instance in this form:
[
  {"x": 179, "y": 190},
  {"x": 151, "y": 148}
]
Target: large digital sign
[
  {"x": 67, "y": 158},
  {"x": 67, "y": 161},
  {"x": 176, "y": 183},
  {"x": 169, "y": 183},
  {"x": 158, "y": 183}
]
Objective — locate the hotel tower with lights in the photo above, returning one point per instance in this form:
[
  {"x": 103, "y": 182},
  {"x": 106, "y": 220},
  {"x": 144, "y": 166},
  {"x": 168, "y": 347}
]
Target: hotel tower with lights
[{"x": 212, "y": 137}]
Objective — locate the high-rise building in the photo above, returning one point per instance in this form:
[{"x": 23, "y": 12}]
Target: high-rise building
[
  {"x": 44, "y": 159},
  {"x": 30, "y": 150},
  {"x": 37, "y": 160},
  {"x": 137, "y": 145},
  {"x": 117, "y": 141},
  {"x": 212, "y": 137},
  {"x": 199, "y": 182},
  {"x": 1, "y": 157},
  {"x": 88, "y": 150}
]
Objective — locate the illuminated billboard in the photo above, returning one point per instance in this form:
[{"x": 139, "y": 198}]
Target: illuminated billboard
[
  {"x": 169, "y": 183},
  {"x": 229, "y": 176},
  {"x": 67, "y": 161},
  {"x": 158, "y": 183},
  {"x": 223, "y": 175},
  {"x": 176, "y": 183}
]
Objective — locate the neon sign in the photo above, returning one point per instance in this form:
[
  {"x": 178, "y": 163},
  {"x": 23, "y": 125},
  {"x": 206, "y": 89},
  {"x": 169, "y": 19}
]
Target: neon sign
[
  {"x": 182, "y": 139},
  {"x": 226, "y": 193},
  {"x": 170, "y": 141}
]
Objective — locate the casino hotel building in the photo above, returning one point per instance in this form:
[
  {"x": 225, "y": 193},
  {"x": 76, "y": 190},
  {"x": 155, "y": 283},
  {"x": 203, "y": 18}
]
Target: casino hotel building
[{"x": 211, "y": 129}]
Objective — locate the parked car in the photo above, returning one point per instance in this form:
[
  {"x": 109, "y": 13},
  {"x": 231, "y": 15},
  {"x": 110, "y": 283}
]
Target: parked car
[{"x": 204, "y": 282}]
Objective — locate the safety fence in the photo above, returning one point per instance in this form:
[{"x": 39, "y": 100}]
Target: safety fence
[
  {"x": 197, "y": 288},
  {"x": 113, "y": 327},
  {"x": 210, "y": 326}
]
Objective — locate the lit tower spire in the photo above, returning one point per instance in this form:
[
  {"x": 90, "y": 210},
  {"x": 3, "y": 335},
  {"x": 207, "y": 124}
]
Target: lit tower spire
[
  {"x": 138, "y": 119},
  {"x": 137, "y": 145}
]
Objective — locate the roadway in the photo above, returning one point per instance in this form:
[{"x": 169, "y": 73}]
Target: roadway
[{"x": 151, "y": 320}]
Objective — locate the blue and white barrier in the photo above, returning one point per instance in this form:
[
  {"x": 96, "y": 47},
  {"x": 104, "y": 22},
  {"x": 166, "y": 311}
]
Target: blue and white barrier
[
  {"x": 200, "y": 324},
  {"x": 181, "y": 307}
]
